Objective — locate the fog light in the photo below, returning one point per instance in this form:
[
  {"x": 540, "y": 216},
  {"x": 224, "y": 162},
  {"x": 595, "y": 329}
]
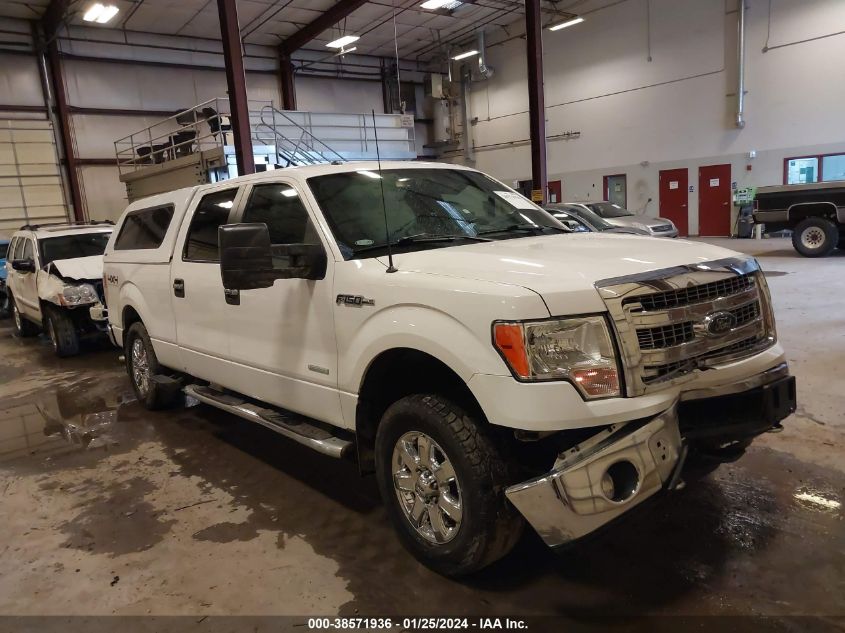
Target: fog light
[{"x": 620, "y": 482}]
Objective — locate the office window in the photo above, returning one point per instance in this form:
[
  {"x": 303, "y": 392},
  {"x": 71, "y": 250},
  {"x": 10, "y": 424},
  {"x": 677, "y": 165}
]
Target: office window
[
  {"x": 833, "y": 167},
  {"x": 802, "y": 170},
  {"x": 202, "y": 243},
  {"x": 820, "y": 168}
]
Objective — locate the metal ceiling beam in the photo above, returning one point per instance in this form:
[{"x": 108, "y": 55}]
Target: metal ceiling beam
[
  {"x": 236, "y": 83},
  {"x": 287, "y": 84},
  {"x": 536, "y": 96},
  {"x": 311, "y": 30}
]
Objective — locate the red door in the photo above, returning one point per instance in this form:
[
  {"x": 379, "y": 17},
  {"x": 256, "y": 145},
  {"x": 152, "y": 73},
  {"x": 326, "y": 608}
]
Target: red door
[
  {"x": 674, "y": 198},
  {"x": 714, "y": 200},
  {"x": 555, "y": 192}
]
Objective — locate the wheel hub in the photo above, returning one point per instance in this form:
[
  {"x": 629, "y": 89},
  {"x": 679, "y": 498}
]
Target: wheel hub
[
  {"x": 427, "y": 487},
  {"x": 813, "y": 237}
]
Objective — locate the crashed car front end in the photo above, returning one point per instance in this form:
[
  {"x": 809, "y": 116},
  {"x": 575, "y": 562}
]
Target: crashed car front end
[{"x": 704, "y": 334}]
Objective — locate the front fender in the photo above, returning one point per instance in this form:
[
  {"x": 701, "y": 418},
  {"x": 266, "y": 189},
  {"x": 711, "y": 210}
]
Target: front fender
[{"x": 421, "y": 328}]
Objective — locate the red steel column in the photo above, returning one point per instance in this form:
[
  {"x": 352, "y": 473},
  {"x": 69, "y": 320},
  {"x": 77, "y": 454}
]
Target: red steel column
[
  {"x": 236, "y": 82},
  {"x": 286, "y": 80},
  {"x": 63, "y": 112},
  {"x": 536, "y": 98}
]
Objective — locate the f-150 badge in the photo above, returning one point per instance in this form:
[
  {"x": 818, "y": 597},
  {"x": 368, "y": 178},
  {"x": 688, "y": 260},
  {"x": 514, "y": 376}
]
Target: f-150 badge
[{"x": 354, "y": 300}]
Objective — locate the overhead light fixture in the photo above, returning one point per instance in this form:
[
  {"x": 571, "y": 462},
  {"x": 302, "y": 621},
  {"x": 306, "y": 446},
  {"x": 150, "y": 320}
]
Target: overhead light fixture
[
  {"x": 441, "y": 4},
  {"x": 344, "y": 51},
  {"x": 563, "y": 25},
  {"x": 100, "y": 13},
  {"x": 343, "y": 41},
  {"x": 464, "y": 55}
]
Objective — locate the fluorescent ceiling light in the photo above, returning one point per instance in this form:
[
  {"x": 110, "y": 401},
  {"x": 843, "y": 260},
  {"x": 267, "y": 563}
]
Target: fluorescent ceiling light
[
  {"x": 100, "y": 13},
  {"x": 440, "y": 4},
  {"x": 226, "y": 205},
  {"x": 290, "y": 193},
  {"x": 343, "y": 41},
  {"x": 563, "y": 25},
  {"x": 465, "y": 55}
]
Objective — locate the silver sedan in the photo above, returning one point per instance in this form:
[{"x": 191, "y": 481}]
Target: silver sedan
[{"x": 620, "y": 216}]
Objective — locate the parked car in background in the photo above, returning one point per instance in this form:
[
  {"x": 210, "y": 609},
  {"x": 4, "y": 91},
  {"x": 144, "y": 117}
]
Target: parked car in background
[
  {"x": 589, "y": 220},
  {"x": 55, "y": 278},
  {"x": 814, "y": 212},
  {"x": 4, "y": 297},
  {"x": 509, "y": 370},
  {"x": 620, "y": 216}
]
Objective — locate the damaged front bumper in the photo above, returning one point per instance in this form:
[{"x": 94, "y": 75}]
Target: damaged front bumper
[{"x": 602, "y": 478}]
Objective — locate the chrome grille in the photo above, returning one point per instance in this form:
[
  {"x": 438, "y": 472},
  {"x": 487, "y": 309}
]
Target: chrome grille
[
  {"x": 672, "y": 322},
  {"x": 694, "y": 294}
]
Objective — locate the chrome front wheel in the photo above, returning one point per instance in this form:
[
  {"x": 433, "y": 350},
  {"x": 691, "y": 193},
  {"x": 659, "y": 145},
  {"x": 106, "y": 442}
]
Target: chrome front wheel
[
  {"x": 427, "y": 487},
  {"x": 140, "y": 366},
  {"x": 812, "y": 237}
]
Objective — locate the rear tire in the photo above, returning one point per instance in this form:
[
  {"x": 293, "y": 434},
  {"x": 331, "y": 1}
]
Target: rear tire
[
  {"x": 62, "y": 332},
  {"x": 815, "y": 237},
  {"x": 5, "y": 307},
  {"x": 142, "y": 367},
  {"x": 443, "y": 480},
  {"x": 23, "y": 328}
]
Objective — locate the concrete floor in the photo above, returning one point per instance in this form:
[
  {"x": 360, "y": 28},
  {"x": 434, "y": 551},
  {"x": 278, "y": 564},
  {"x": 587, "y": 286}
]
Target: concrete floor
[{"x": 109, "y": 509}]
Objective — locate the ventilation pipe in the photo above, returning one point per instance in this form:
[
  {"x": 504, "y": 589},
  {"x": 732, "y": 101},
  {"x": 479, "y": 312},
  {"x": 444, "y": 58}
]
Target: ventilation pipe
[
  {"x": 740, "y": 87},
  {"x": 484, "y": 71},
  {"x": 469, "y": 149}
]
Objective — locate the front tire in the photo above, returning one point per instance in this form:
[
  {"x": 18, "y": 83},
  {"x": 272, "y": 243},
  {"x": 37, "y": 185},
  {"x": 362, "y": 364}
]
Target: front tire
[
  {"x": 142, "y": 367},
  {"x": 62, "y": 332},
  {"x": 23, "y": 328},
  {"x": 442, "y": 479},
  {"x": 815, "y": 237}
]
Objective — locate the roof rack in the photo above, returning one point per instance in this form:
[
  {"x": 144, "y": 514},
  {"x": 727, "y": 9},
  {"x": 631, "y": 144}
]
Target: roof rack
[{"x": 35, "y": 227}]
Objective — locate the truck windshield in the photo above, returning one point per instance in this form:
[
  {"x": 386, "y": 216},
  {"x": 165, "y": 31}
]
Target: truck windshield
[
  {"x": 71, "y": 246},
  {"x": 422, "y": 204},
  {"x": 609, "y": 210}
]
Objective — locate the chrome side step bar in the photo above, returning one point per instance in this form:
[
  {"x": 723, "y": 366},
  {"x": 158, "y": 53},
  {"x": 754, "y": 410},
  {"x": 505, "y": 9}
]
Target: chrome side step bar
[{"x": 291, "y": 425}]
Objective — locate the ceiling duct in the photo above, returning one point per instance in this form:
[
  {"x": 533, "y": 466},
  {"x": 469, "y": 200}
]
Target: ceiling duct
[{"x": 484, "y": 71}]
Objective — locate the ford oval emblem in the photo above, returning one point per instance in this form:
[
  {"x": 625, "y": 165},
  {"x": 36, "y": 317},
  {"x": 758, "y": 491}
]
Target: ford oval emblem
[{"x": 719, "y": 323}]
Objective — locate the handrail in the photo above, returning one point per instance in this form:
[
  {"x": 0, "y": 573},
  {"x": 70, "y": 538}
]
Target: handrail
[{"x": 300, "y": 127}]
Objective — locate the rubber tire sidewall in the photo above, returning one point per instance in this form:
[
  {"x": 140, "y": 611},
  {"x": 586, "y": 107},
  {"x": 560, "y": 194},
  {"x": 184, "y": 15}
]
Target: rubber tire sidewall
[
  {"x": 67, "y": 338},
  {"x": 155, "y": 398},
  {"x": 28, "y": 328},
  {"x": 831, "y": 233},
  {"x": 5, "y": 305},
  {"x": 489, "y": 527}
]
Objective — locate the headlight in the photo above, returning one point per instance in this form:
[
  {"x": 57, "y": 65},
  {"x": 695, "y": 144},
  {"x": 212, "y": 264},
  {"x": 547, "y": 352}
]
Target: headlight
[
  {"x": 579, "y": 350},
  {"x": 78, "y": 295}
]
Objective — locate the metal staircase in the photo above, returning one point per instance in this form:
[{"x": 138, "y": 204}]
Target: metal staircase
[{"x": 309, "y": 138}]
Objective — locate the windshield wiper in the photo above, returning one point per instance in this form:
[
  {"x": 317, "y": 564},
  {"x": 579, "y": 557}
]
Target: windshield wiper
[
  {"x": 423, "y": 238},
  {"x": 529, "y": 228}
]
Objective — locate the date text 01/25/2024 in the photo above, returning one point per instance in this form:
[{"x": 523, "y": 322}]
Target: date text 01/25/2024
[{"x": 416, "y": 624}]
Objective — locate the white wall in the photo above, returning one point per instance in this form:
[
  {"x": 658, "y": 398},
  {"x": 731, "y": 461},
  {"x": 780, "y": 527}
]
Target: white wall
[{"x": 676, "y": 110}]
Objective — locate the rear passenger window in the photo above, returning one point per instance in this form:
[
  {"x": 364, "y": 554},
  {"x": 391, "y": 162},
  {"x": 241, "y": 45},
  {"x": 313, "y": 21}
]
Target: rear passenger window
[
  {"x": 27, "y": 250},
  {"x": 202, "y": 243},
  {"x": 144, "y": 229},
  {"x": 19, "y": 247}
]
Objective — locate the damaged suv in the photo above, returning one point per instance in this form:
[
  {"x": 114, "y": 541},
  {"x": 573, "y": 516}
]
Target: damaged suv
[
  {"x": 55, "y": 282},
  {"x": 489, "y": 366}
]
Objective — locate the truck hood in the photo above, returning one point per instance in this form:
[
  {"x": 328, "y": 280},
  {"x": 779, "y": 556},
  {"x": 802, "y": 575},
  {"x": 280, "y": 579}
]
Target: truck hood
[
  {"x": 563, "y": 269},
  {"x": 80, "y": 268}
]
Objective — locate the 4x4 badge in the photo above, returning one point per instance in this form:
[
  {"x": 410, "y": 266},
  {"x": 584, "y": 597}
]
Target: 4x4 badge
[{"x": 354, "y": 300}]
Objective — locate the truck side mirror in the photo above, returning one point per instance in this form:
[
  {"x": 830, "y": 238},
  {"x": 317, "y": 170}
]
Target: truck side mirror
[
  {"x": 247, "y": 258},
  {"x": 23, "y": 265}
]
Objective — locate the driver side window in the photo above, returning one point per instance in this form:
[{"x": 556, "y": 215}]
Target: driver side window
[{"x": 279, "y": 207}]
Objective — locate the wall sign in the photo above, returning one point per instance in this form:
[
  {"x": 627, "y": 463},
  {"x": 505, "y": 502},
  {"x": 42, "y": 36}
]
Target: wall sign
[
  {"x": 714, "y": 182},
  {"x": 673, "y": 184},
  {"x": 692, "y": 188}
]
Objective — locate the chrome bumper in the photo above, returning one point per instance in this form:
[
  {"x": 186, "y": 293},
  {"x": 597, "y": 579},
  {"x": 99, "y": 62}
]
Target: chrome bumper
[{"x": 601, "y": 478}]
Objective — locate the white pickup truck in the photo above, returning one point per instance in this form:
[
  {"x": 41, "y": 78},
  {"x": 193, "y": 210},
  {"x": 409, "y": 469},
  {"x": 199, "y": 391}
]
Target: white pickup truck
[{"x": 489, "y": 366}]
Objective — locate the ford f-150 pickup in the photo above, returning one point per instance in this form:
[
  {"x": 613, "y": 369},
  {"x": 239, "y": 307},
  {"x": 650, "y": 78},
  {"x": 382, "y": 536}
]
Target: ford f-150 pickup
[{"x": 488, "y": 365}]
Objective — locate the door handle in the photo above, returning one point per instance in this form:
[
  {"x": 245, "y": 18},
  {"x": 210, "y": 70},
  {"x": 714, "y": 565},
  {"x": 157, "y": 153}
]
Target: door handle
[{"x": 179, "y": 287}]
